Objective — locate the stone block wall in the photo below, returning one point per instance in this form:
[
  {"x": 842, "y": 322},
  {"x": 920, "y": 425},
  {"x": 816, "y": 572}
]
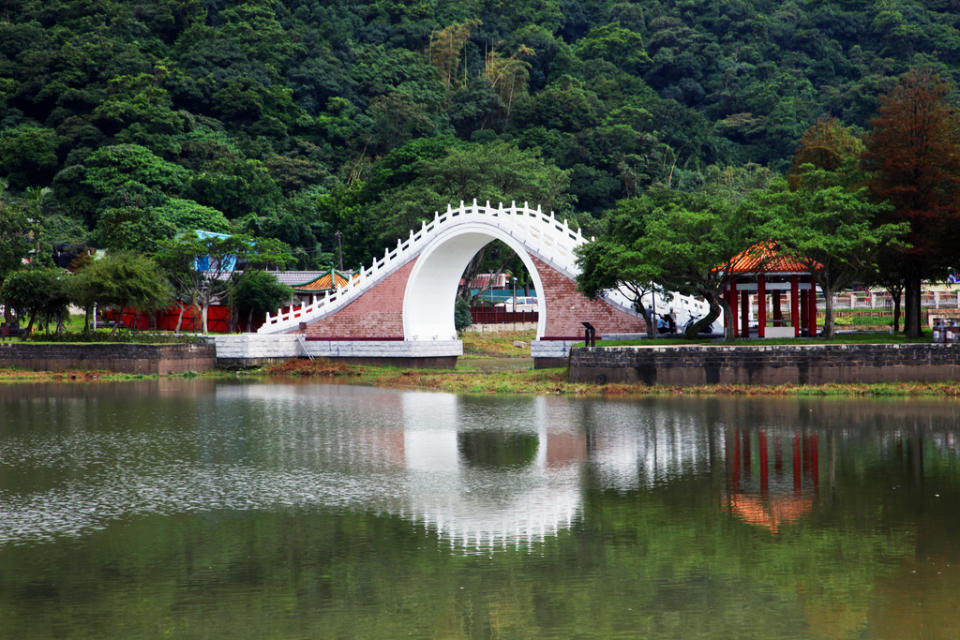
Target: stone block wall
[
  {"x": 143, "y": 359},
  {"x": 775, "y": 364}
]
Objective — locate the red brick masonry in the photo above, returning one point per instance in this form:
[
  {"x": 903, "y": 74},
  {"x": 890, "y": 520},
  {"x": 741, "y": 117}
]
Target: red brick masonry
[
  {"x": 567, "y": 308},
  {"x": 378, "y": 313}
]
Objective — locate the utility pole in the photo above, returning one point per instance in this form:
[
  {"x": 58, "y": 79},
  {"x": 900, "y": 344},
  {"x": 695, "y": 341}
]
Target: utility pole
[{"x": 339, "y": 249}]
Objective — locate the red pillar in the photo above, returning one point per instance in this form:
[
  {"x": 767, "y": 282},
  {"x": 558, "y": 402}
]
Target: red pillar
[
  {"x": 764, "y": 485},
  {"x": 777, "y": 310},
  {"x": 795, "y": 305},
  {"x": 761, "y": 306},
  {"x": 732, "y": 303},
  {"x": 797, "y": 469},
  {"x": 745, "y": 314},
  {"x": 812, "y": 306}
]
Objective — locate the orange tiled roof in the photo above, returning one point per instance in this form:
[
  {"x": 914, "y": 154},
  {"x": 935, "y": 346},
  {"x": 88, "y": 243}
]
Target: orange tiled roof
[
  {"x": 322, "y": 283},
  {"x": 763, "y": 258},
  {"x": 772, "y": 512}
]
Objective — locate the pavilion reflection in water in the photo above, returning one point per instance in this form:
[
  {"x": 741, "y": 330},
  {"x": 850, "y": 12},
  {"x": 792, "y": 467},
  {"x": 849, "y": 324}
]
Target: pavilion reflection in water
[{"x": 774, "y": 499}]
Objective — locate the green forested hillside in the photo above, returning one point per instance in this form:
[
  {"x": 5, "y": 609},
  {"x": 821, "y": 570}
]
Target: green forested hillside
[{"x": 124, "y": 121}]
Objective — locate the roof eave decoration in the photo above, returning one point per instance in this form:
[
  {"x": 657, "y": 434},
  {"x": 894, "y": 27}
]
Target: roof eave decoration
[{"x": 764, "y": 257}]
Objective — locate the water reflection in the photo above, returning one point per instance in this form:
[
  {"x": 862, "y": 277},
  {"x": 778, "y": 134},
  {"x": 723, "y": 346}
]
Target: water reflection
[
  {"x": 302, "y": 510},
  {"x": 481, "y": 473}
]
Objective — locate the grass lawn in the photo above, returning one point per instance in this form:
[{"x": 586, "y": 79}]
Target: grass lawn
[
  {"x": 501, "y": 364},
  {"x": 73, "y": 334},
  {"x": 492, "y": 364}
]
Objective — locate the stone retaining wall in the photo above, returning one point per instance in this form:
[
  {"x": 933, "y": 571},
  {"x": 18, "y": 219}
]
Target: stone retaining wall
[
  {"x": 775, "y": 364},
  {"x": 144, "y": 359}
]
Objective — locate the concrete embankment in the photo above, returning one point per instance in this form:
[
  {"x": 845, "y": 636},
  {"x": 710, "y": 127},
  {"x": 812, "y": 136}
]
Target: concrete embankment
[{"x": 692, "y": 365}]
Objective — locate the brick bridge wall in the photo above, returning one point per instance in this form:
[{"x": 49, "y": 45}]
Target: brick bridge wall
[
  {"x": 567, "y": 308},
  {"x": 378, "y": 313},
  {"x": 775, "y": 364}
]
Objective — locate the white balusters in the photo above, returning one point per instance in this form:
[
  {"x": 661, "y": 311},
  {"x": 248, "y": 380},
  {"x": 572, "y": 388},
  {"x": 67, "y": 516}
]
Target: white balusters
[{"x": 540, "y": 233}]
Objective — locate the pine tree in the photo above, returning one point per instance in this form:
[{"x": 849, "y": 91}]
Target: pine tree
[{"x": 913, "y": 154}]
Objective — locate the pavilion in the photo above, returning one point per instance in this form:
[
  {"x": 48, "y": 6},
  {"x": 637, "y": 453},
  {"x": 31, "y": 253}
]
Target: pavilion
[
  {"x": 760, "y": 271},
  {"x": 317, "y": 285}
]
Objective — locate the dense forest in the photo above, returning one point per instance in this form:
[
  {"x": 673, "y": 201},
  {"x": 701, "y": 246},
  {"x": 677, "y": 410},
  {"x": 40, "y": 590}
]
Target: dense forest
[{"x": 123, "y": 122}]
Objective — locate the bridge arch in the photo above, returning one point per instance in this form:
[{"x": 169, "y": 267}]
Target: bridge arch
[
  {"x": 430, "y": 296},
  {"x": 402, "y": 305}
]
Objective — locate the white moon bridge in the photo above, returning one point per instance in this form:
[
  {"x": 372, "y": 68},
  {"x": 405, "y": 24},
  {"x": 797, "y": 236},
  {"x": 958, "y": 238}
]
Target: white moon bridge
[{"x": 401, "y": 307}]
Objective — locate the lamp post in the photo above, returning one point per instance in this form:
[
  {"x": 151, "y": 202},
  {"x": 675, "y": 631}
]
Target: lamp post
[{"x": 339, "y": 248}]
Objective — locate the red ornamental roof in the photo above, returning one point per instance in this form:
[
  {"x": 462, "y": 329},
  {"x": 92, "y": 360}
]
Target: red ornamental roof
[{"x": 763, "y": 258}]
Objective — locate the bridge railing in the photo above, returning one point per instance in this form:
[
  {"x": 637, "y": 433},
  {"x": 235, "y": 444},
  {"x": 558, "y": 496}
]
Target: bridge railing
[{"x": 553, "y": 240}]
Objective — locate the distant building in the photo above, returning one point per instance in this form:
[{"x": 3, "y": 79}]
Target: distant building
[{"x": 307, "y": 284}]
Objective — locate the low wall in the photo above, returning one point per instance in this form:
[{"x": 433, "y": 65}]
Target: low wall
[
  {"x": 776, "y": 364},
  {"x": 238, "y": 351},
  {"x": 144, "y": 359}
]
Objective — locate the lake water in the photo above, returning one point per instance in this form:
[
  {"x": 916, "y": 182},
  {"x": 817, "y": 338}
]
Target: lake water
[{"x": 194, "y": 509}]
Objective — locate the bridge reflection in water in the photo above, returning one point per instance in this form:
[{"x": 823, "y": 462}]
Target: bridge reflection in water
[
  {"x": 430, "y": 461},
  {"x": 485, "y": 475}
]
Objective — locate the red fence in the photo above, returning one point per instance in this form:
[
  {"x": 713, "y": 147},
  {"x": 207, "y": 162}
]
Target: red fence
[
  {"x": 493, "y": 315},
  {"x": 218, "y": 319}
]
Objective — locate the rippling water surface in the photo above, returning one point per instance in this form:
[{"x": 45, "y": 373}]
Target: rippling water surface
[{"x": 193, "y": 509}]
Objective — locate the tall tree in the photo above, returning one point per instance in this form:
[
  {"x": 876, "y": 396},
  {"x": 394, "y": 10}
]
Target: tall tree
[
  {"x": 201, "y": 265},
  {"x": 17, "y": 231},
  {"x": 445, "y": 47},
  {"x": 508, "y": 75},
  {"x": 612, "y": 261},
  {"x": 913, "y": 153},
  {"x": 826, "y": 145},
  {"x": 829, "y": 228},
  {"x": 121, "y": 280},
  {"x": 39, "y": 293},
  {"x": 257, "y": 292},
  {"x": 687, "y": 245}
]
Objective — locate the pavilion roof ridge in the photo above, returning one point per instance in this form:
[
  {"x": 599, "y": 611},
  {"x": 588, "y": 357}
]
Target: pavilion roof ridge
[
  {"x": 329, "y": 279},
  {"x": 765, "y": 257}
]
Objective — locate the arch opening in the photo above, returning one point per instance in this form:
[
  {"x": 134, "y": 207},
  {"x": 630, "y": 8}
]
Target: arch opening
[{"x": 430, "y": 296}]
